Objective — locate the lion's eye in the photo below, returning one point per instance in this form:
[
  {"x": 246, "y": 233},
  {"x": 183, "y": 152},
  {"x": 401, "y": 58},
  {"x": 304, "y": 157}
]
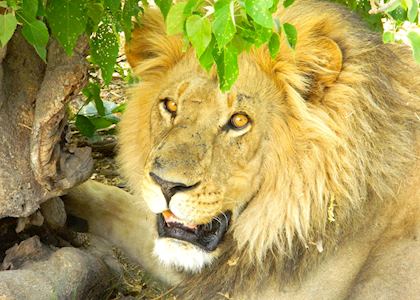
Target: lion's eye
[
  {"x": 239, "y": 120},
  {"x": 170, "y": 105}
]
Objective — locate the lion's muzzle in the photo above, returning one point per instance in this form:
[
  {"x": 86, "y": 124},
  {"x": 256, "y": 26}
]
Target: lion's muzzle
[{"x": 193, "y": 211}]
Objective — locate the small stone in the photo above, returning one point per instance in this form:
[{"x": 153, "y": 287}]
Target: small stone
[
  {"x": 67, "y": 273},
  {"x": 29, "y": 250},
  {"x": 35, "y": 219},
  {"x": 54, "y": 212}
]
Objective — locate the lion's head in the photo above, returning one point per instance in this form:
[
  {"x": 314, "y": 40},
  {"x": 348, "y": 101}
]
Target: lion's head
[{"x": 297, "y": 141}]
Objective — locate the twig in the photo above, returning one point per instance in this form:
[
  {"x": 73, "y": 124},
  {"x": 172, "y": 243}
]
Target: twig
[
  {"x": 166, "y": 293},
  {"x": 25, "y": 126},
  {"x": 378, "y": 8}
]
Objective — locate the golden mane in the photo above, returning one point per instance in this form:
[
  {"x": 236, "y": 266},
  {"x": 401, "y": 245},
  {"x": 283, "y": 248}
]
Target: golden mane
[
  {"x": 343, "y": 147},
  {"x": 337, "y": 147}
]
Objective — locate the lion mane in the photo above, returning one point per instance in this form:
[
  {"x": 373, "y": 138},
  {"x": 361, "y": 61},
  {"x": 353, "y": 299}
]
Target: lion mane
[{"x": 341, "y": 144}]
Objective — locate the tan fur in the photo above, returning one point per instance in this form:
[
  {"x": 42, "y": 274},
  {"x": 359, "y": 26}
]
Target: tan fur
[{"x": 323, "y": 184}]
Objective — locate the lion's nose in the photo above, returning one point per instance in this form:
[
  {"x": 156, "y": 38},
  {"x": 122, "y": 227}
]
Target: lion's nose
[{"x": 171, "y": 188}]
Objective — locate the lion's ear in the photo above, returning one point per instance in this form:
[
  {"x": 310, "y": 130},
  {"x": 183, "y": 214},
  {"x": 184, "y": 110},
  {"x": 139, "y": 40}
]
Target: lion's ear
[
  {"x": 321, "y": 62},
  {"x": 150, "y": 51},
  {"x": 330, "y": 61},
  {"x": 314, "y": 66}
]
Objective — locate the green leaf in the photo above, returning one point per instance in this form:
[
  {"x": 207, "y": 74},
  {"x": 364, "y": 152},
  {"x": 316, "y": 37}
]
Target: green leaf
[
  {"x": 99, "y": 106},
  {"x": 67, "y": 20},
  {"x": 241, "y": 44},
  {"x": 120, "y": 108},
  {"x": 175, "y": 19},
  {"x": 259, "y": 10},
  {"x": 95, "y": 11},
  {"x": 131, "y": 8},
  {"x": 274, "y": 44},
  {"x": 113, "y": 5},
  {"x": 8, "y": 25},
  {"x": 101, "y": 122},
  {"x": 206, "y": 59},
  {"x": 12, "y": 4},
  {"x": 223, "y": 24},
  {"x": 85, "y": 126},
  {"x": 394, "y": 6},
  {"x": 165, "y": 6},
  {"x": 93, "y": 92},
  {"x": 112, "y": 118},
  {"x": 3, "y": 4},
  {"x": 192, "y": 6},
  {"x": 247, "y": 33},
  {"x": 262, "y": 34},
  {"x": 413, "y": 8},
  {"x": 388, "y": 37},
  {"x": 291, "y": 34},
  {"x": 29, "y": 9},
  {"x": 104, "y": 48},
  {"x": 398, "y": 14},
  {"x": 199, "y": 33},
  {"x": 414, "y": 38},
  {"x": 41, "y": 9},
  {"x": 287, "y": 3},
  {"x": 274, "y": 7},
  {"x": 227, "y": 66},
  {"x": 36, "y": 33}
]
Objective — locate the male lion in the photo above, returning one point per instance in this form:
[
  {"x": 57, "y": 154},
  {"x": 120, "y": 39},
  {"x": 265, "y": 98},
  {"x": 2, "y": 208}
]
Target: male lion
[{"x": 300, "y": 183}]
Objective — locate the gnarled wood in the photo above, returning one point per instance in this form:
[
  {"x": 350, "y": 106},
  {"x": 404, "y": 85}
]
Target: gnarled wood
[{"x": 35, "y": 163}]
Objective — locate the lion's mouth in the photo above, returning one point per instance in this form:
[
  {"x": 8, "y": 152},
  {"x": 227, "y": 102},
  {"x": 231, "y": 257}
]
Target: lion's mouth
[{"x": 206, "y": 236}]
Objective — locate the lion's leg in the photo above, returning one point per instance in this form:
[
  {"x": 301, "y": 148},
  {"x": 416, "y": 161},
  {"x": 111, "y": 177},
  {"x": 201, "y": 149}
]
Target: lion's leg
[{"x": 120, "y": 218}]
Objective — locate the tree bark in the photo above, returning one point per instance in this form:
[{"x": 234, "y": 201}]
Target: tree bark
[{"x": 36, "y": 164}]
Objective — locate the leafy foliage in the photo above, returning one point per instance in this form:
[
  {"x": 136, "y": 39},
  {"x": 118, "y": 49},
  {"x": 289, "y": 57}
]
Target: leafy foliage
[
  {"x": 96, "y": 113},
  {"x": 362, "y": 8},
  {"x": 397, "y": 19},
  {"x": 199, "y": 33},
  {"x": 104, "y": 46},
  {"x": 84, "y": 125},
  {"x": 218, "y": 31},
  {"x": 401, "y": 24},
  {"x": 67, "y": 20}
]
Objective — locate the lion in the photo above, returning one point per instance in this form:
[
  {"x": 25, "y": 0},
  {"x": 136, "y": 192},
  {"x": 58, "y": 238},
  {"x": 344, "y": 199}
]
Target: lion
[{"x": 301, "y": 182}]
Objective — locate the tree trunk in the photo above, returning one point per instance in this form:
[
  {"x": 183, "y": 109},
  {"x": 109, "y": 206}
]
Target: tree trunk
[{"x": 35, "y": 162}]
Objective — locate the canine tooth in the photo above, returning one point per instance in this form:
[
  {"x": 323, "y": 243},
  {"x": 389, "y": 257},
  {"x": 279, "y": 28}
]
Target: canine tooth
[{"x": 171, "y": 218}]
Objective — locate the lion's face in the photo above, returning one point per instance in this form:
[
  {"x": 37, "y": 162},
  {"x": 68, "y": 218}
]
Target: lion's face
[
  {"x": 254, "y": 162},
  {"x": 204, "y": 162}
]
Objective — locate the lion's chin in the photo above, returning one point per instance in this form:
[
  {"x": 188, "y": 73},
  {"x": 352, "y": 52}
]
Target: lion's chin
[{"x": 182, "y": 255}]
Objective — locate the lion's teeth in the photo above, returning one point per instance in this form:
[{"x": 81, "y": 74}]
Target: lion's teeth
[
  {"x": 167, "y": 214},
  {"x": 171, "y": 218}
]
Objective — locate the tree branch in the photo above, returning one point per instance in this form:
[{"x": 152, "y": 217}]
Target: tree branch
[
  {"x": 50, "y": 159},
  {"x": 381, "y": 7}
]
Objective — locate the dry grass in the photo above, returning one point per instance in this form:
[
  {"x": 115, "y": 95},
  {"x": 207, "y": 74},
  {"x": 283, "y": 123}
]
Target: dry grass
[{"x": 137, "y": 284}]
